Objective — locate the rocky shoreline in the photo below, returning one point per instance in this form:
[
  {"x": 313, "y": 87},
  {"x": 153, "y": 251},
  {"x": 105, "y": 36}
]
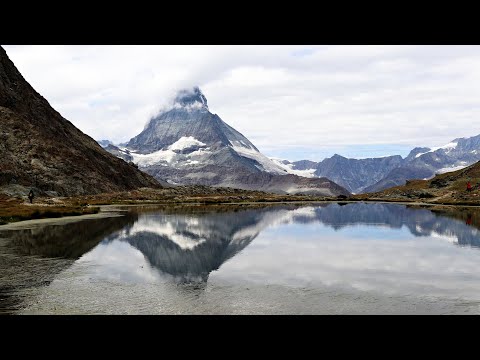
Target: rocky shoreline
[{"x": 17, "y": 208}]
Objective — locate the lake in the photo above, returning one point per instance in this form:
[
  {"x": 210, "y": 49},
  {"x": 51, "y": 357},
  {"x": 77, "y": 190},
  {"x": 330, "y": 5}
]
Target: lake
[{"x": 327, "y": 258}]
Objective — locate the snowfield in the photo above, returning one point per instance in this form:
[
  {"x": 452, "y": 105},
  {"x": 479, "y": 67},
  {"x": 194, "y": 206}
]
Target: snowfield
[
  {"x": 186, "y": 142},
  {"x": 267, "y": 164},
  {"x": 170, "y": 155},
  {"x": 450, "y": 169},
  {"x": 153, "y": 158},
  {"x": 449, "y": 147},
  {"x": 289, "y": 169}
]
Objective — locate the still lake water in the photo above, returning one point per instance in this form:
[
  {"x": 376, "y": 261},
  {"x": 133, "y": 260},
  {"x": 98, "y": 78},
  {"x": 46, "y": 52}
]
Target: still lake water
[{"x": 350, "y": 258}]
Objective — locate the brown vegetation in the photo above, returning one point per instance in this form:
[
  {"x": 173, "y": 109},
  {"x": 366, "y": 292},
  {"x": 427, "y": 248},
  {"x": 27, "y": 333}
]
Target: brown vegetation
[{"x": 16, "y": 209}]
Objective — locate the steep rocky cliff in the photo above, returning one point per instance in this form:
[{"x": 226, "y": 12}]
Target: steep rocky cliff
[{"x": 41, "y": 149}]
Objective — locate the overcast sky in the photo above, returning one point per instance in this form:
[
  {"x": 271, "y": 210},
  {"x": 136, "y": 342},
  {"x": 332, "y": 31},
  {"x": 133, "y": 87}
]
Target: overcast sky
[{"x": 293, "y": 102}]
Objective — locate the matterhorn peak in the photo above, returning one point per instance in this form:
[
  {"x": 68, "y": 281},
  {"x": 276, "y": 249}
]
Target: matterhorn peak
[{"x": 191, "y": 99}]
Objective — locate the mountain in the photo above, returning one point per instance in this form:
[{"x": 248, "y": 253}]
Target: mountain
[
  {"x": 424, "y": 163},
  {"x": 39, "y": 148},
  {"x": 448, "y": 188},
  {"x": 399, "y": 176},
  {"x": 121, "y": 153},
  {"x": 104, "y": 143},
  {"x": 187, "y": 144},
  {"x": 356, "y": 174},
  {"x": 376, "y": 174}
]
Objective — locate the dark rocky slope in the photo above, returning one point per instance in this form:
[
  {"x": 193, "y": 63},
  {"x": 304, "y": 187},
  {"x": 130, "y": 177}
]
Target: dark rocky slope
[{"x": 39, "y": 148}]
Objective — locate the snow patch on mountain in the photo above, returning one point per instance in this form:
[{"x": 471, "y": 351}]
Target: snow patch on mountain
[
  {"x": 451, "y": 168},
  {"x": 170, "y": 155},
  {"x": 186, "y": 142},
  {"x": 265, "y": 163},
  {"x": 448, "y": 147},
  {"x": 153, "y": 158},
  {"x": 290, "y": 170}
]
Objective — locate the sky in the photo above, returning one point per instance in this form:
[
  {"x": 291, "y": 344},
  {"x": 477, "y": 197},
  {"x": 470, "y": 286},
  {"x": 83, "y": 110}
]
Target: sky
[{"x": 292, "y": 102}]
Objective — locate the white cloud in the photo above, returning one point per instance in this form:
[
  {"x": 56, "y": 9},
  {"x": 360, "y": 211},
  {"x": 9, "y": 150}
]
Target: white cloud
[{"x": 277, "y": 96}]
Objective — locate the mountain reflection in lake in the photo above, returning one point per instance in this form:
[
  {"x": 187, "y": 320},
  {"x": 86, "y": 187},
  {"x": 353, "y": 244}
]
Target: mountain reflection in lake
[{"x": 283, "y": 259}]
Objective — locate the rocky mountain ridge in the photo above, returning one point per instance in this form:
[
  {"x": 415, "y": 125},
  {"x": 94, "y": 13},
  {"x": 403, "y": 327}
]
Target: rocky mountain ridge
[{"x": 41, "y": 149}]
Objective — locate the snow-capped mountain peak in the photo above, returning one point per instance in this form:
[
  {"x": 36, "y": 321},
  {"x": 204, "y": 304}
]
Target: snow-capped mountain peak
[
  {"x": 187, "y": 144},
  {"x": 190, "y": 99}
]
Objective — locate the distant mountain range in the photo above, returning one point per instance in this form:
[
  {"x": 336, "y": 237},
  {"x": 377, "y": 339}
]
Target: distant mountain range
[
  {"x": 376, "y": 174},
  {"x": 187, "y": 144},
  {"x": 446, "y": 188},
  {"x": 104, "y": 143},
  {"x": 42, "y": 150}
]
